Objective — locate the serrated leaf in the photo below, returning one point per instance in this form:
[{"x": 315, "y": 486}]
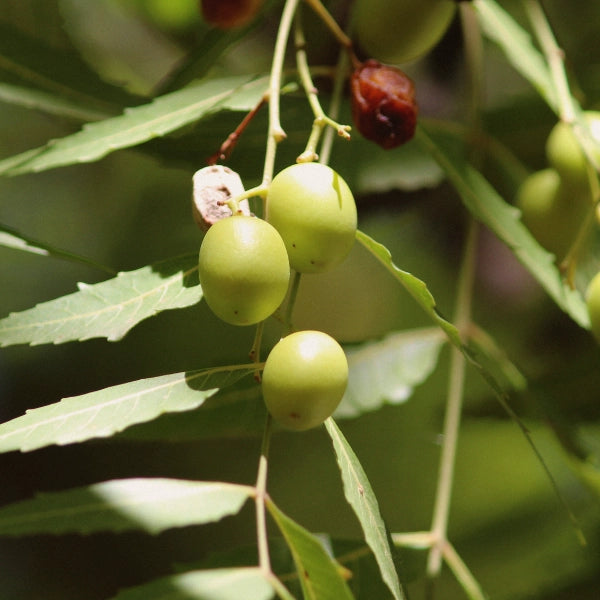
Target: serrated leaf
[
  {"x": 361, "y": 498},
  {"x": 108, "y": 309},
  {"x": 140, "y": 124},
  {"x": 245, "y": 583},
  {"x": 108, "y": 411},
  {"x": 389, "y": 369},
  {"x": 11, "y": 238},
  {"x": 488, "y": 207},
  {"x": 319, "y": 574},
  {"x": 415, "y": 286},
  {"x": 148, "y": 504},
  {"x": 516, "y": 44}
]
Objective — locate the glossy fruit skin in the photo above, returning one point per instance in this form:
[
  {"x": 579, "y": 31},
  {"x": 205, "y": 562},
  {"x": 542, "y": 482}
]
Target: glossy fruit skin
[
  {"x": 592, "y": 298},
  {"x": 552, "y": 210},
  {"x": 566, "y": 155},
  {"x": 400, "y": 31},
  {"x": 384, "y": 107},
  {"x": 227, "y": 14},
  {"x": 244, "y": 269},
  {"x": 313, "y": 209},
  {"x": 304, "y": 379}
]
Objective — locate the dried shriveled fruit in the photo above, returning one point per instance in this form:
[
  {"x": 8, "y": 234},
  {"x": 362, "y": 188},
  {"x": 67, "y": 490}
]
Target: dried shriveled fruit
[{"x": 384, "y": 108}]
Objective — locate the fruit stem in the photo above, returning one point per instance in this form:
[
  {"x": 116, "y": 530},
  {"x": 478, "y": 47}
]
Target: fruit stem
[
  {"x": 321, "y": 120},
  {"x": 255, "y": 350},
  {"x": 292, "y": 300},
  {"x": 264, "y": 559},
  {"x": 335, "y": 29}
]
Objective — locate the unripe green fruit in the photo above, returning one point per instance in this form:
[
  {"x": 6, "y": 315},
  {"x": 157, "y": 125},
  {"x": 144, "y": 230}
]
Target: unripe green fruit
[
  {"x": 592, "y": 298},
  {"x": 399, "y": 31},
  {"x": 304, "y": 379},
  {"x": 313, "y": 209},
  {"x": 552, "y": 210},
  {"x": 244, "y": 269},
  {"x": 565, "y": 154}
]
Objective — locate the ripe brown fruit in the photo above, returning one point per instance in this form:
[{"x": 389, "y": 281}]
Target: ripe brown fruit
[{"x": 227, "y": 14}]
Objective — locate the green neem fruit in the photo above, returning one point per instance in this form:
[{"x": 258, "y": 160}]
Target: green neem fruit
[
  {"x": 552, "y": 210},
  {"x": 313, "y": 209},
  {"x": 592, "y": 298},
  {"x": 244, "y": 269},
  {"x": 304, "y": 379},
  {"x": 399, "y": 31},
  {"x": 564, "y": 152}
]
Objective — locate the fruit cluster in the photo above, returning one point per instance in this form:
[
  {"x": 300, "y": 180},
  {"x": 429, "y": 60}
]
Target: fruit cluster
[
  {"x": 555, "y": 200},
  {"x": 244, "y": 267}
]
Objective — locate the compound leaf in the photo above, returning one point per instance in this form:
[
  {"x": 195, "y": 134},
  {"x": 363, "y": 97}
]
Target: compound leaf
[
  {"x": 108, "y": 411},
  {"x": 108, "y": 309},
  {"x": 361, "y": 498},
  {"x": 148, "y": 504}
]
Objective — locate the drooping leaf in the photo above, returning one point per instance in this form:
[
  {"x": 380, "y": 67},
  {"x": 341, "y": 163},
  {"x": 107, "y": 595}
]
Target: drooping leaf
[
  {"x": 243, "y": 583},
  {"x": 486, "y": 205},
  {"x": 108, "y": 309},
  {"x": 108, "y": 411},
  {"x": 146, "y": 504},
  {"x": 140, "y": 124},
  {"x": 388, "y": 370},
  {"x": 415, "y": 286},
  {"x": 517, "y": 45},
  {"x": 318, "y": 572},
  {"x": 10, "y": 238},
  {"x": 361, "y": 498}
]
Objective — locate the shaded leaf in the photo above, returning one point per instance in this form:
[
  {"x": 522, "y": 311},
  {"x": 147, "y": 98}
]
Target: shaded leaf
[
  {"x": 361, "y": 498},
  {"x": 108, "y": 411},
  {"x": 486, "y": 205},
  {"x": 415, "y": 286},
  {"x": 516, "y": 44},
  {"x": 387, "y": 370},
  {"x": 10, "y": 238},
  {"x": 139, "y": 124},
  {"x": 147, "y": 504},
  {"x": 319, "y": 574},
  {"x": 108, "y": 309},
  {"x": 245, "y": 583}
]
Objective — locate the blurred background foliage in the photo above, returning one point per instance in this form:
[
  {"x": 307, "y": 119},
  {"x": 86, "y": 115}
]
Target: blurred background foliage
[{"x": 133, "y": 208}]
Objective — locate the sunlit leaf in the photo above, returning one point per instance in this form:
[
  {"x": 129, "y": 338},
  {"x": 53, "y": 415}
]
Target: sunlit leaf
[
  {"x": 108, "y": 411},
  {"x": 360, "y": 496},
  {"x": 319, "y": 574},
  {"x": 516, "y": 44},
  {"x": 415, "y": 286},
  {"x": 108, "y": 309},
  {"x": 147, "y": 504},
  {"x": 10, "y": 238},
  {"x": 486, "y": 205},
  {"x": 139, "y": 124},
  {"x": 388, "y": 370},
  {"x": 245, "y": 583}
]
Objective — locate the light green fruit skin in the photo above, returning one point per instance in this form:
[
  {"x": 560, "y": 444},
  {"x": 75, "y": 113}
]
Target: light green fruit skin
[
  {"x": 304, "y": 379},
  {"x": 399, "y": 31},
  {"x": 566, "y": 155},
  {"x": 552, "y": 210},
  {"x": 592, "y": 297},
  {"x": 313, "y": 209},
  {"x": 244, "y": 269}
]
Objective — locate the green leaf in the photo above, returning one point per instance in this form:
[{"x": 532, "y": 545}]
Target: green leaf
[
  {"x": 108, "y": 309},
  {"x": 319, "y": 574},
  {"x": 148, "y": 504},
  {"x": 140, "y": 124},
  {"x": 486, "y": 205},
  {"x": 361, "y": 498},
  {"x": 415, "y": 286},
  {"x": 245, "y": 583},
  {"x": 389, "y": 369},
  {"x": 10, "y": 238},
  {"x": 108, "y": 411},
  {"x": 516, "y": 44}
]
